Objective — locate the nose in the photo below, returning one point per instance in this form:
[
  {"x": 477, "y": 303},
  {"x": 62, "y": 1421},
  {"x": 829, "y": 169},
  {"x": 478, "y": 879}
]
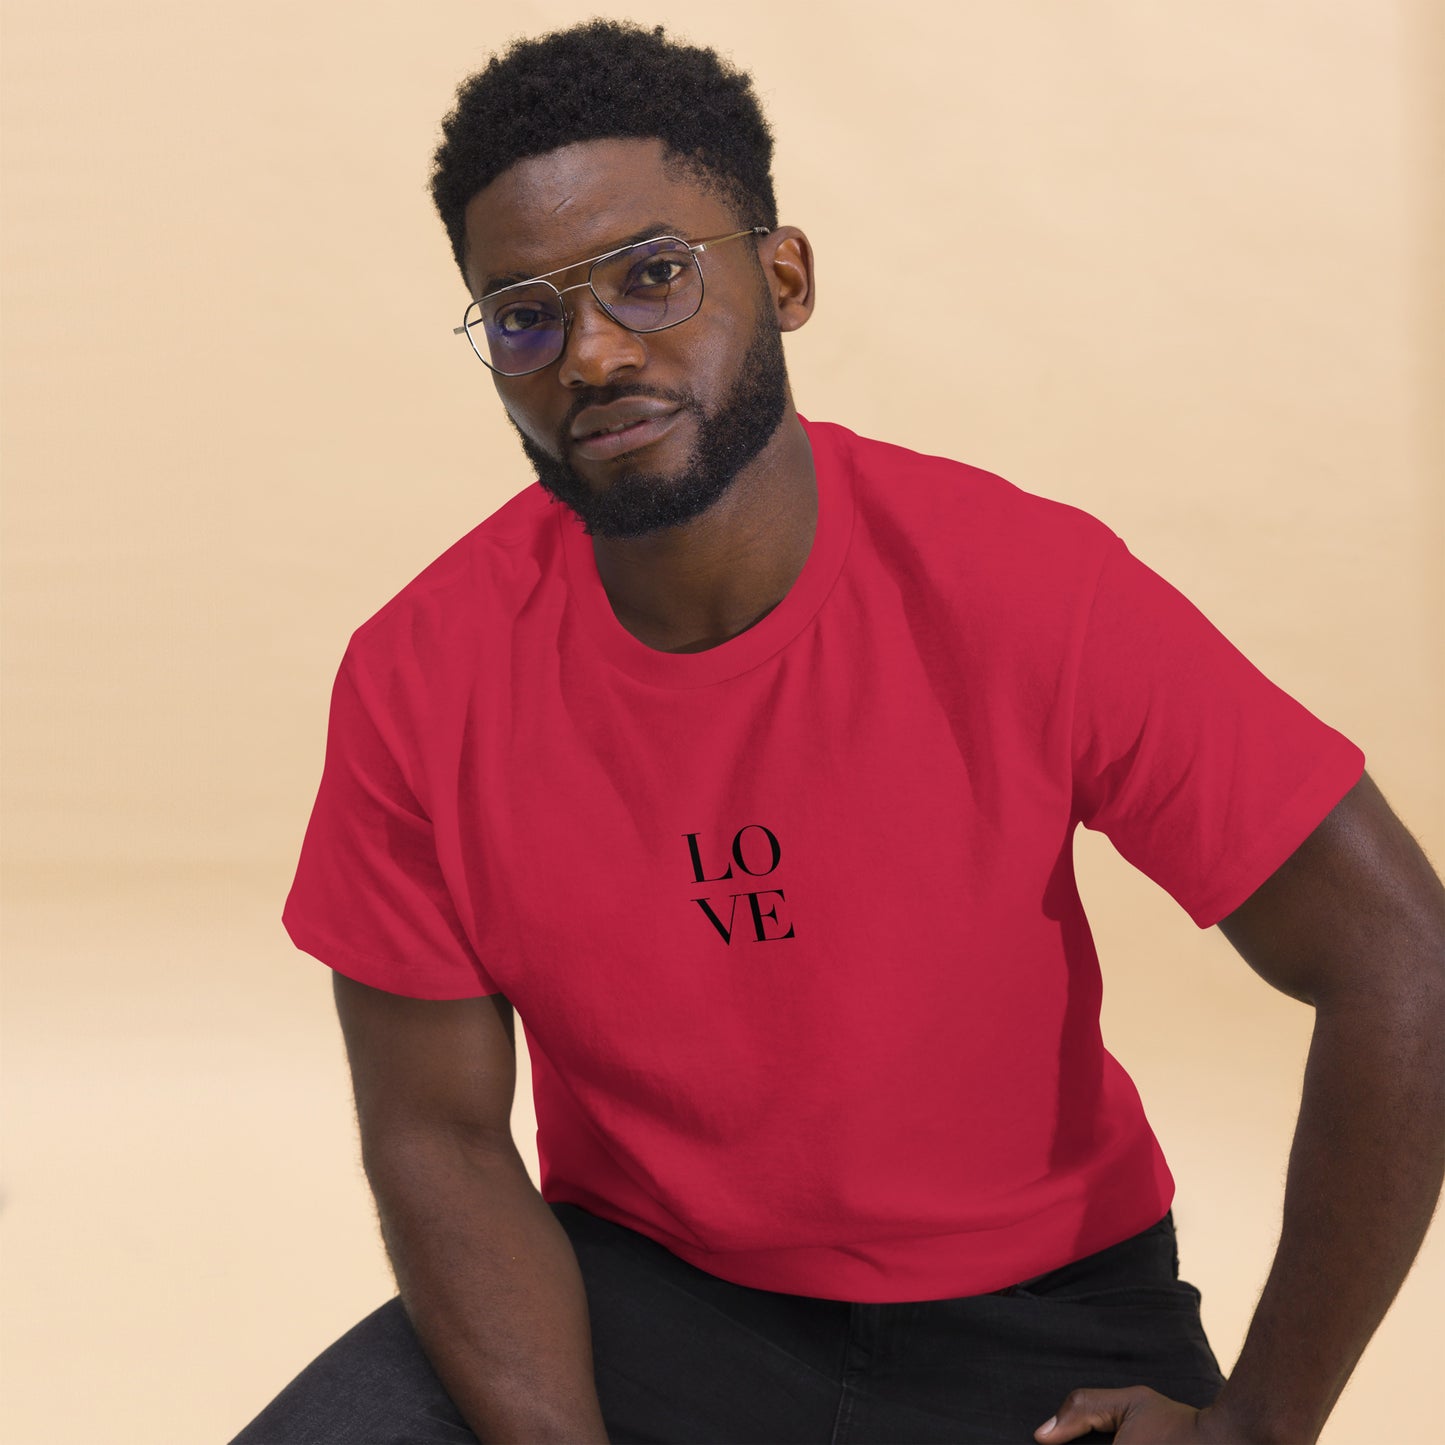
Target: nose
[{"x": 597, "y": 348}]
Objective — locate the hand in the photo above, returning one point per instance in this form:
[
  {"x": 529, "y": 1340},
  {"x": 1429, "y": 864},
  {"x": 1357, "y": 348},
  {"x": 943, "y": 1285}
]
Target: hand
[{"x": 1139, "y": 1416}]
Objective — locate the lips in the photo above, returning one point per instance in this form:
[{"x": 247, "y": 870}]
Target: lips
[{"x": 602, "y": 432}]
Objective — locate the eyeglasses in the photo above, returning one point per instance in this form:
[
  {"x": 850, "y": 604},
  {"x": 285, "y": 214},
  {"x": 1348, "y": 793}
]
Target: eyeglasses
[{"x": 647, "y": 286}]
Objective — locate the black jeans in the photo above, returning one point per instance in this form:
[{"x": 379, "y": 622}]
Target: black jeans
[{"x": 683, "y": 1356}]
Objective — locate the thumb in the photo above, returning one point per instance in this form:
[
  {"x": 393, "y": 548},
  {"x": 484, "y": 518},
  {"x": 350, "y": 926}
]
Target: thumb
[{"x": 1085, "y": 1410}]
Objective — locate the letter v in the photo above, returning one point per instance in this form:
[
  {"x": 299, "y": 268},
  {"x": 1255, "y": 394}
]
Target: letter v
[{"x": 727, "y": 933}]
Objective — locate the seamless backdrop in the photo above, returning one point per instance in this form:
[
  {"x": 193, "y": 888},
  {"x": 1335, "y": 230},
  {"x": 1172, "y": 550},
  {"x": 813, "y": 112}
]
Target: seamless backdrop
[{"x": 1175, "y": 264}]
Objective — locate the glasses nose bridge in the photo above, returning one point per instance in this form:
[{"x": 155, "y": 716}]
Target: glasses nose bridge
[
  {"x": 601, "y": 345},
  {"x": 569, "y": 313}
]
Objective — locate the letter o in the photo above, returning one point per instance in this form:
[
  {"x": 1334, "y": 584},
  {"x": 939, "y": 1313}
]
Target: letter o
[{"x": 772, "y": 844}]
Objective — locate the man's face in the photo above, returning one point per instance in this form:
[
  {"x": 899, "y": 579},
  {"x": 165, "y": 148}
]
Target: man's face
[{"x": 711, "y": 391}]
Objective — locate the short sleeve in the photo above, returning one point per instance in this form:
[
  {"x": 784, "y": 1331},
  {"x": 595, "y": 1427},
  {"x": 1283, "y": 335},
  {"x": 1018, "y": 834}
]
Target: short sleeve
[
  {"x": 1202, "y": 772},
  {"x": 369, "y": 898}
]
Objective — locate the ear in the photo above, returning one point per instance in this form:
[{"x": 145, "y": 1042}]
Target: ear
[{"x": 787, "y": 259}]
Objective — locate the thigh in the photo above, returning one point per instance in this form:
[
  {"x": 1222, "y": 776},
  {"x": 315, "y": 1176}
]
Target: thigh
[
  {"x": 992, "y": 1368},
  {"x": 374, "y": 1386},
  {"x": 681, "y": 1356}
]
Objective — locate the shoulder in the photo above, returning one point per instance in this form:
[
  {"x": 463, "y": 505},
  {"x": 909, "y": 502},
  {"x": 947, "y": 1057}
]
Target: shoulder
[
  {"x": 471, "y": 592},
  {"x": 962, "y": 521}
]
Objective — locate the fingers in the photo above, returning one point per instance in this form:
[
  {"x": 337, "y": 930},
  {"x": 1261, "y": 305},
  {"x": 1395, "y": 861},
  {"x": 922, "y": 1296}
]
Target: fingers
[{"x": 1085, "y": 1410}]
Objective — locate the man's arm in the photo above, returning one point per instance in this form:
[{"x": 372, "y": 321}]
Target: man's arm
[
  {"x": 488, "y": 1277},
  {"x": 1353, "y": 924}
]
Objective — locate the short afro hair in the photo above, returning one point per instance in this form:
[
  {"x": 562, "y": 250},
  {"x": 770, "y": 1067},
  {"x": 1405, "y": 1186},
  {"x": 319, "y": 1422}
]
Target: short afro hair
[{"x": 597, "y": 81}]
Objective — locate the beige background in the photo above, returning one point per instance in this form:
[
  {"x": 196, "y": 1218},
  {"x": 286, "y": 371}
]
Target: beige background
[{"x": 1188, "y": 279}]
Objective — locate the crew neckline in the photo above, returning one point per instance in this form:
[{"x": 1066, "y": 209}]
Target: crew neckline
[{"x": 614, "y": 643}]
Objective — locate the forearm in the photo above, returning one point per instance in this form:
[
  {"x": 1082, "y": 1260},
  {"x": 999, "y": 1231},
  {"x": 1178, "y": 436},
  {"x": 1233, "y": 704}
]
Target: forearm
[
  {"x": 1365, "y": 1172},
  {"x": 491, "y": 1284}
]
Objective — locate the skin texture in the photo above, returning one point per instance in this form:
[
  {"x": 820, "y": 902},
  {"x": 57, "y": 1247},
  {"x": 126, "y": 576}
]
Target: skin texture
[
  {"x": 486, "y": 1274},
  {"x": 1352, "y": 925},
  {"x": 693, "y": 586},
  {"x": 638, "y": 500}
]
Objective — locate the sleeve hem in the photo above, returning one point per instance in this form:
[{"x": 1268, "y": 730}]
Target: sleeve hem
[
  {"x": 388, "y": 977},
  {"x": 1305, "y": 811}
]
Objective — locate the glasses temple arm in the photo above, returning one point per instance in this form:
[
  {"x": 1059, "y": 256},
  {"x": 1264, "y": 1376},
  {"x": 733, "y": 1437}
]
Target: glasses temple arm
[{"x": 718, "y": 240}]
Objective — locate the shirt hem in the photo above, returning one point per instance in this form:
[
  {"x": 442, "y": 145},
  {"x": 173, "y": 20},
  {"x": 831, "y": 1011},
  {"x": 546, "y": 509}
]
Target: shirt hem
[
  {"x": 378, "y": 973},
  {"x": 925, "y": 1267},
  {"x": 1312, "y": 802}
]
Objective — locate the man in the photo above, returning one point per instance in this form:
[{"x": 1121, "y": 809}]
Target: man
[{"x": 749, "y": 776}]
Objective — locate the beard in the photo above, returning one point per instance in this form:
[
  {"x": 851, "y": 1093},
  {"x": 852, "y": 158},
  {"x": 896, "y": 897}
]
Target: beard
[{"x": 637, "y": 501}]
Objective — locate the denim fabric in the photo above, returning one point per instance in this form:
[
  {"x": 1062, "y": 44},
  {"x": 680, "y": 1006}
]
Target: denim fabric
[{"x": 683, "y": 1356}]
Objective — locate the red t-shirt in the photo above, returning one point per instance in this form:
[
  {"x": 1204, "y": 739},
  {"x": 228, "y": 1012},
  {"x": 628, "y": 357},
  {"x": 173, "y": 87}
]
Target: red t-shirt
[{"x": 791, "y": 924}]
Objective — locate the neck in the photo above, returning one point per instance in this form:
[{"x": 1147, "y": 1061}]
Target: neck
[{"x": 688, "y": 588}]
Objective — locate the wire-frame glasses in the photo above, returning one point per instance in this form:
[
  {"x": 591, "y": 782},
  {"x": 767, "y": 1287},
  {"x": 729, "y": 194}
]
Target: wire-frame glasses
[{"x": 647, "y": 286}]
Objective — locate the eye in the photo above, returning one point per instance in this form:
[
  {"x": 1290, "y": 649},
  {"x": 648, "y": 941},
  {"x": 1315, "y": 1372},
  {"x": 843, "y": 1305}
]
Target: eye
[
  {"x": 521, "y": 317},
  {"x": 656, "y": 272}
]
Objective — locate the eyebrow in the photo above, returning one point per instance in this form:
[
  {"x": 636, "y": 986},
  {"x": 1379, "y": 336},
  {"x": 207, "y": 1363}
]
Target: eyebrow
[{"x": 647, "y": 233}]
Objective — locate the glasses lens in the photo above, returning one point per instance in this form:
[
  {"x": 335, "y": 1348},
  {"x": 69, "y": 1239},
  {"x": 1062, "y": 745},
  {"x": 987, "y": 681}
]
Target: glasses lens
[
  {"x": 650, "y": 286},
  {"x": 518, "y": 330}
]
